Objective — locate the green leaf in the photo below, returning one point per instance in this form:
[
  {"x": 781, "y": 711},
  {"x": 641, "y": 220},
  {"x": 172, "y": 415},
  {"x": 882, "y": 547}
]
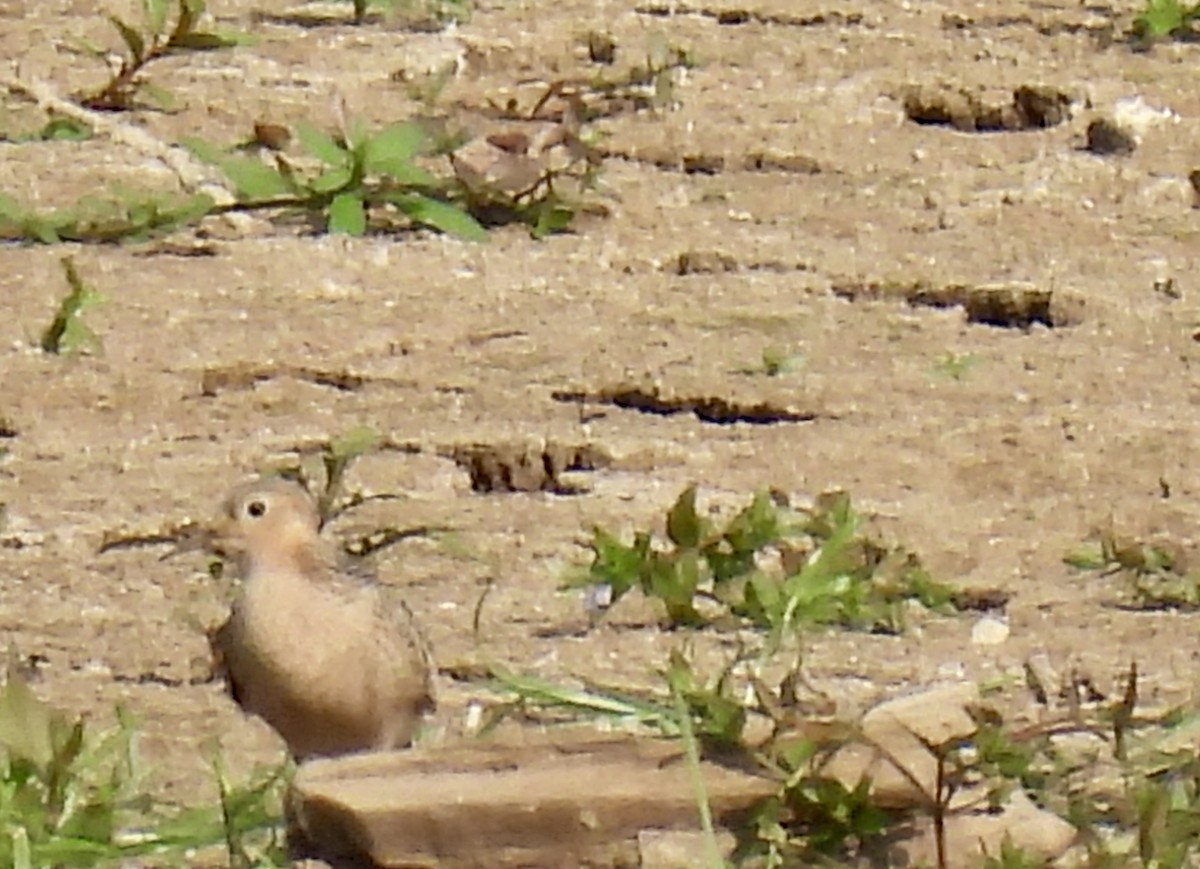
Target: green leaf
[
  {"x": 683, "y": 523},
  {"x": 156, "y": 12},
  {"x": 615, "y": 564},
  {"x": 206, "y": 151},
  {"x": 439, "y": 215},
  {"x": 358, "y": 441},
  {"x": 204, "y": 41},
  {"x": 41, "y": 229},
  {"x": 321, "y": 145},
  {"x": 552, "y": 219},
  {"x": 347, "y": 216},
  {"x": 252, "y": 178},
  {"x": 764, "y": 602},
  {"x": 332, "y": 180},
  {"x": 755, "y": 527},
  {"x": 10, "y": 208},
  {"x": 393, "y": 148},
  {"x": 67, "y": 333},
  {"x": 674, "y": 582},
  {"x": 1087, "y": 557},
  {"x": 189, "y": 14},
  {"x": 133, "y": 40},
  {"x": 161, "y": 97},
  {"x": 407, "y": 174},
  {"x": 26, "y": 723},
  {"x": 65, "y": 130},
  {"x": 1161, "y": 18}
]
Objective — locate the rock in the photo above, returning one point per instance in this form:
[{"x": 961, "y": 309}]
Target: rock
[
  {"x": 680, "y": 849},
  {"x": 549, "y": 802},
  {"x": 1105, "y": 138},
  {"x": 990, "y": 631},
  {"x": 894, "y": 755},
  {"x": 970, "y": 835}
]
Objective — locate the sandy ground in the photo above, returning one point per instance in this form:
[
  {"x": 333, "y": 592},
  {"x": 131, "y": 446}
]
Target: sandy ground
[{"x": 823, "y": 248}]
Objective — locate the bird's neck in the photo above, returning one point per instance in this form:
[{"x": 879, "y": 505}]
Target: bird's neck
[{"x": 298, "y": 564}]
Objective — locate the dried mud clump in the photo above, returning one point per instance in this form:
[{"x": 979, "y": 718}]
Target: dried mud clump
[
  {"x": 526, "y": 467},
  {"x": 1012, "y": 305},
  {"x": 1031, "y": 108},
  {"x": 706, "y": 408}
]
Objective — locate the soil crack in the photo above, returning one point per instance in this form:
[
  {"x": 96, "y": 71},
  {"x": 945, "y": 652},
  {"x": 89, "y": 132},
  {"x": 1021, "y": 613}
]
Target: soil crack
[
  {"x": 242, "y": 376},
  {"x": 709, "y": 408},
  {"x": 1006, "y": 305},
  {"x": 733, "y": 17},
  {"x": 714, "y": 164}
]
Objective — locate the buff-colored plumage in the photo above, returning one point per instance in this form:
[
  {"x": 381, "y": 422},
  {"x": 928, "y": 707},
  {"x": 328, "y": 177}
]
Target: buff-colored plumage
[{"x": 331, "y": 660}]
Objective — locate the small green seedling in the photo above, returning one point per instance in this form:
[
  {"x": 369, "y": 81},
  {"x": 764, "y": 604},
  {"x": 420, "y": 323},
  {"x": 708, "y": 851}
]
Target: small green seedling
[
  {"x": 118, "y": 216},
  {"x": 57, "y": 129},
  {"x": 1157, "y": 576},
  {"x": 416, "y": 12},
  {"x": 956, "y": 366},
  {"x": 67, "y": 334},
  {"x": 364, "y": 177},
  {"x": 337, "y": 457},
  {"x": 661, "y": 73},
  {"x": 1165, "y": 18},
  {"x": 150, "y": 43},
  {"x": 776, "y": 362}
]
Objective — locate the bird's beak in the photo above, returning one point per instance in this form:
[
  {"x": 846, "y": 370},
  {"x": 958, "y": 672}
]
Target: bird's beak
[{"x": 195, "y": 537}]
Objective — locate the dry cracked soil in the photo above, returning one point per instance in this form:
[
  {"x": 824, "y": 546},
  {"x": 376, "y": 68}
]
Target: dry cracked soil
[{"x": 836, "y": 183}]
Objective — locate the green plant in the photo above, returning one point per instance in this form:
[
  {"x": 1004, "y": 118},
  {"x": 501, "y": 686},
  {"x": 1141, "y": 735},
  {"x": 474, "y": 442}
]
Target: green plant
[
  {"x": 663, "y": 60},
  {"x": 250, "y": 818},
  {"x": 680, "y": 681},
  {"x": 322, "y": 472},
  {"x": 120, "y": 215},
  {"x": 416, "y": 11},
  {"x": 363, "y": 176},
  {"x": 776, "y": 362},
  {"x": 336, "y": 458},
  {"x": 1156, "y": 576},
  {"x": 69, "y": 797},
  {"x": 1130, "y": 783},
  {"x": 811, "y": 814},
  {"x": 152, "y": 42},
  {"x": 955, "y": 366},
  {"x": 67, "y": 333},
  {"x": 61, "y": 794},
  {"x": 774, "y": 568},
  {"x": 1162, "y": 18},
  {"x": 57, "y": 129},
  {"x": 651, "y": 84},
  {"x": 1012, "y": 857}
]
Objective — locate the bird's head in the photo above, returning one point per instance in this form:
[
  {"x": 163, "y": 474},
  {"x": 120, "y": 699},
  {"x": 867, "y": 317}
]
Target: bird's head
[{"x": 268, "y": 524}]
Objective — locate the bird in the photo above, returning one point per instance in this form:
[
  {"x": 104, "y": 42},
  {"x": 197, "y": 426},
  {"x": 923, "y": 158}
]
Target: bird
[{"x": 332, "y": 660}]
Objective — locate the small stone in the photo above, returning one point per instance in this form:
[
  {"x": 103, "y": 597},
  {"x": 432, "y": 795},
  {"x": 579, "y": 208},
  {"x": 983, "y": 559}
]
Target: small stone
[
  {"x": 1105, "y": 138},
  {"x": 990, "y": 631},
  {"x": 895, "y": 756}
]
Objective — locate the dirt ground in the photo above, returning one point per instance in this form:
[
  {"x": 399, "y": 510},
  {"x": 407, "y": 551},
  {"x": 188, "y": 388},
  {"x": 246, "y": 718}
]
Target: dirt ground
[{"x": 831, "y": 248}]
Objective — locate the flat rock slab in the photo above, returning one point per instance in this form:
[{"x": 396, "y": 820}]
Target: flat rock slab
[{"x": 561, "y": 802}]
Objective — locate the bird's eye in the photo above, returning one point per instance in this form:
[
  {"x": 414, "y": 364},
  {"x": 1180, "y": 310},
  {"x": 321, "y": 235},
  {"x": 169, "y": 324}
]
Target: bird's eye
[{"x": 256, "y": 509}]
